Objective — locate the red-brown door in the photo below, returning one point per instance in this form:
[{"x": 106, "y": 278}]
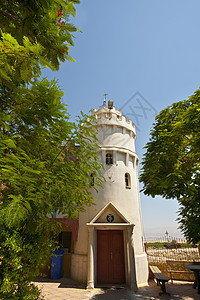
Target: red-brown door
[{"x": 110, "y": 256}]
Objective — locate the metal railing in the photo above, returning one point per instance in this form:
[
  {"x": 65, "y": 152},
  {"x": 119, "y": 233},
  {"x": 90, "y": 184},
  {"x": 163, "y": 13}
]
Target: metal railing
[{"x": 162, "y": 254}]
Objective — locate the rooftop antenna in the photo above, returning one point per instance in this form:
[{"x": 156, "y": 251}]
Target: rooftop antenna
[{"x": 105, "y": 100}]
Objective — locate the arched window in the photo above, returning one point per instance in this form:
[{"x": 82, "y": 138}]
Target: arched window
[
  {"x": 109, "y": 159},
  {"x": 127, "y": 181},
  {"x": 92, "y": 179}
]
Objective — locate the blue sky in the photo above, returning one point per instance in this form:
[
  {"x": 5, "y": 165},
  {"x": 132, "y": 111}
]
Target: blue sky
[{"x": 147, "y": 50}]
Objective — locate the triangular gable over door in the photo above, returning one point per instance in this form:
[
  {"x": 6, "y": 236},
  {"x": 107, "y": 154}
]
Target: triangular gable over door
[{"x": 109, "y": 214}]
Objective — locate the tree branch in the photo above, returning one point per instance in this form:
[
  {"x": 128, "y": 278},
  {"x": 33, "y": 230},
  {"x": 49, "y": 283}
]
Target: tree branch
[
  {"x": 15, "y": 54},
  {"x": 7, "y": 13}
]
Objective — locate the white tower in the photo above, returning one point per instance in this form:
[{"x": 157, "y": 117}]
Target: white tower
[{"x": 110, "y": 246}]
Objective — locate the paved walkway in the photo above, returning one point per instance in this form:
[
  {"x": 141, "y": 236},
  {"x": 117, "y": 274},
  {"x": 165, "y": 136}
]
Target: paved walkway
[{"x": 67, "y": 289}]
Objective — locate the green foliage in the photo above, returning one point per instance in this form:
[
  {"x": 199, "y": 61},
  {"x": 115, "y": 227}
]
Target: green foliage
[
  {"x": 155, "y": 244},
  {"x": 33, "y": 34},
  {"x": 45, "y": 22},
  {"x": 42, "y": 170},
  {"x": 45, "y": 159},
  {"x": 171, "y": 164},
  {"x": 20, "y": 259},
  {"x": 16, "y": 61},
  {"x": 161, "y": 244}
]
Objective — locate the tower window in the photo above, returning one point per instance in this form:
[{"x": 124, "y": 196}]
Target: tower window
[
  {"x": 127, "y": 181},
  {"x": 109, "y": 159},
  {"x": 92, "y": 179}
]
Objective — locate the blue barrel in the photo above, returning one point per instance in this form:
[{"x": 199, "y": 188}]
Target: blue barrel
[{"x": 56, "y": 264}]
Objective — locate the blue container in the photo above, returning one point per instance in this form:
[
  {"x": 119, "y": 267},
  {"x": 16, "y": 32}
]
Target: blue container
[{"x": 56, "y": 264}]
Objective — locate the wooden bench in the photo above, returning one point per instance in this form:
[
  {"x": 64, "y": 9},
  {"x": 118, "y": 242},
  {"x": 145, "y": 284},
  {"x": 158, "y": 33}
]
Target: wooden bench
[
  {"x": 177, "y": 262},
  {"x": 160, "y": 278}
]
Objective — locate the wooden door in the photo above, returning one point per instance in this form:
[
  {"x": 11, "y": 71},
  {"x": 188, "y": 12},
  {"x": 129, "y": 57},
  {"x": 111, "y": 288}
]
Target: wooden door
[{"x": 110, "y": 256}]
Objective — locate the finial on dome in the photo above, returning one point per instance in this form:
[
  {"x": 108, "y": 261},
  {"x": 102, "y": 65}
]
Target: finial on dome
[
  {"x": 110, "y": 104},
  {"x": 105, "y": 100}
]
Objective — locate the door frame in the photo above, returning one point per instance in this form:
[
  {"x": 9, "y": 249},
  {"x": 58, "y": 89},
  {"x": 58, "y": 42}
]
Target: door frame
[{"x": 127, "y": 229}]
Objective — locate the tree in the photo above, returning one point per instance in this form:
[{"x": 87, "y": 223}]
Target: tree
[
  {"x": 171, "y": 164},
  {"x": 43, "y": 161}
]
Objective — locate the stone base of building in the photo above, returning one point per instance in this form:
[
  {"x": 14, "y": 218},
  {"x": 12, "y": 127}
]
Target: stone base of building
[
  {"x": 79, "y": 267},
  {"x": 142, "y": 274}
]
